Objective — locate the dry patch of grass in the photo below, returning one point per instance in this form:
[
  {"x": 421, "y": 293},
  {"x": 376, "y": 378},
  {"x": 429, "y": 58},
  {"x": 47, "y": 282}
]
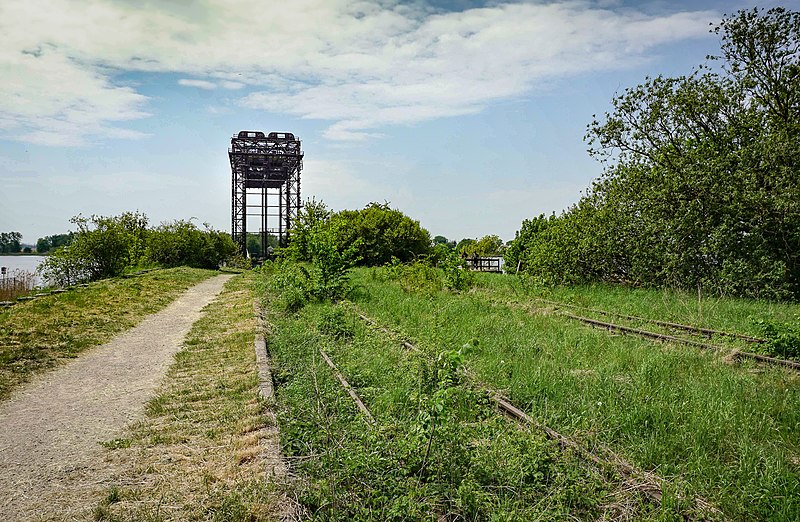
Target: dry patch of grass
[
  {"x": 39, "y": 334},
  {"x": 200, "y": 452}
]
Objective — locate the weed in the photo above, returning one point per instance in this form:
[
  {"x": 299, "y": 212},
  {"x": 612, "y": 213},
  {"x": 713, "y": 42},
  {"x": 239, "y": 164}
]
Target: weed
[
  {"x": 438, "y": 448},
  {"x": 335, "y": 323},
  {"x": 783, "y": 339}
]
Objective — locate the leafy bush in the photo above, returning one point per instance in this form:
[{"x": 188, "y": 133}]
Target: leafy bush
[
  {"x": 455, "y": 274},
  {"x": 326, "y": 278},
  {"x": 378, "y": 233},
  {"x": 179, "y": 243},
  {"x": 783, "y": 339},
  {"x": 107, "y": 246},
  {"x": 102, "y": 247},
  {"x": 486, "y": 246}
]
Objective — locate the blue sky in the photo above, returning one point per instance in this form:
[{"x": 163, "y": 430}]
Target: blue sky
[{"x": 469, "y": 116}]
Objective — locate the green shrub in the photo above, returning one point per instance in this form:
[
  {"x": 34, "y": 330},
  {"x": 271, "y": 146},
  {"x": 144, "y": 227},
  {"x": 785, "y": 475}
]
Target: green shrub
[
  {"x": 181, "y": 243},
  {"x": 102, "y": 247},
  {"x": 783, "y": 339},
  {"x": 336, "y": 323}
]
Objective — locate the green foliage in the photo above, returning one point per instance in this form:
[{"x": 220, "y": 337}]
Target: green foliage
[
  {"x": 259, "y": 250},
  {"x": 783, "y": 339},
  {"x": 454, "y": 272},
  {"x": 106, "y": 246},
  {"x": 10, "y": 242},
  {"x": 47, "y": 243},
  {"x": 102, "y": 247},
  {"x": 335, "y": 323},
  {"x": 312, "y": 216},
  {"x": 326, "y": 278},
  {"x": 378, "y": 233},
  {"x": 442, "y": 269},
  {"x": 331, "y": 262},
  {"x": 290, "y": 282},
  {"x": 464, "y": 243},
  {"x": 523, "y": 240},
  {"x": 723, "y": 431},
  {"x": 314, "y": 267},
  {"x": 418, "y": 277},
  {"x": 701, "y": 188},
  {"x": 441, "y": 240},
  {"x": 437, "y": 447},
  {"x": 485, "y": 246},
  {"x": 181, "y": 243}
]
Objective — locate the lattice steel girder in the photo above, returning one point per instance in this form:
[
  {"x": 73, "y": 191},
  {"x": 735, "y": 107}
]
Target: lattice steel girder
[{"x": 269, "y": 164}]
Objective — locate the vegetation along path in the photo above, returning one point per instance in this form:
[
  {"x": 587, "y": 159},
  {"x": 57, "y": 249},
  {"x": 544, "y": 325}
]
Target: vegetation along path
[{"x": 50, "y": 430}]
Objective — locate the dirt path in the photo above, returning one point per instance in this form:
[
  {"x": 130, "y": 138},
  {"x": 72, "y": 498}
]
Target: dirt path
[{"x": 50, "y": 456}]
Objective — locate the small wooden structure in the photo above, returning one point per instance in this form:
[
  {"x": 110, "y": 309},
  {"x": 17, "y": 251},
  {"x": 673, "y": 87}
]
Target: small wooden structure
[{"x": 485, "y": 264}]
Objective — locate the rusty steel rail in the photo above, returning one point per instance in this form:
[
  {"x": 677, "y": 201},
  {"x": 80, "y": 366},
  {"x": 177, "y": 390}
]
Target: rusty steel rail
[
  {"x": 677, "y": 326},
  {"x": 648, "y": 483},
  {"x": 346, "y": 386},
  {"x": 793, "y": 365}
]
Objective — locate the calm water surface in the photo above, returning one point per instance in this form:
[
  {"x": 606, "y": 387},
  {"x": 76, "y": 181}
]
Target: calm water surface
[{"x": 27, "y": 263}]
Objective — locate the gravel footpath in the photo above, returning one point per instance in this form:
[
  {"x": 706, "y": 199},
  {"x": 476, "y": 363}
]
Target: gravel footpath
[{"x": 51, "y": 462}]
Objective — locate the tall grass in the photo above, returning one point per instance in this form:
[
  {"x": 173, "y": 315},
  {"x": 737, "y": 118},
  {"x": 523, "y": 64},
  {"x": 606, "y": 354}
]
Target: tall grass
[
  {"x": 438, "y": 450},
  {"x": 697, "y": 309},
  {"x": 730, "y": 433},
  {"x": 18, "y": 282}
]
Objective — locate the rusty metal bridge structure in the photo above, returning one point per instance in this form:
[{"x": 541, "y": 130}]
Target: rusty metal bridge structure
[{"x": 265, "y": 188}]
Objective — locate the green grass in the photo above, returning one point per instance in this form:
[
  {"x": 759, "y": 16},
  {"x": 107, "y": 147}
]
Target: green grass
[
  {"x": 726, "y": 314},
  {"x": 438, "y": 447},
  {"x": 39, "y": 334},
  {"x": 730, "y": 433},
  {"x": 196, "y": 455}
]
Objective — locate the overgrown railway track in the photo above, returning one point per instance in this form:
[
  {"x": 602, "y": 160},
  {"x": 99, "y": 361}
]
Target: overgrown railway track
[
  {"x": 648, "y": 483},
  {"x": 708, "y": 332},
  {"x": 731, "y": 352}
]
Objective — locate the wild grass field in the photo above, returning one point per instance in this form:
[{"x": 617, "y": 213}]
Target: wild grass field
[
  {"x": 437, "y": 448},
  {"x": 723, "y": 430},
  {"x": 723, "y": 434}
]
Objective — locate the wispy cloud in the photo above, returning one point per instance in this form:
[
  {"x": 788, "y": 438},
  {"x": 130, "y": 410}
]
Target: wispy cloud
[
  {"x": 359, "y": 64},
  {"x": 200, "y": 84}
]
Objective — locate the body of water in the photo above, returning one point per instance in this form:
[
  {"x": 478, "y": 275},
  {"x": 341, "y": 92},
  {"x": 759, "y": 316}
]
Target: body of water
[{"x": 27, "y": 263}]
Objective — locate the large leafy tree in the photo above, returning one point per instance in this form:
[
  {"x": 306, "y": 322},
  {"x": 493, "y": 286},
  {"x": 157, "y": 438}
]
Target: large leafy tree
[
  {"x": 378, "y": 233},
  {"x": 702, "y": 184},
  {"x": 490, "y": 245}
]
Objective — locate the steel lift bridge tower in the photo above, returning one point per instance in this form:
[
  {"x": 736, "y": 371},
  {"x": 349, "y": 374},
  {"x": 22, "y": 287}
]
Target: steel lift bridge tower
[{"x": 265, "y": 180}]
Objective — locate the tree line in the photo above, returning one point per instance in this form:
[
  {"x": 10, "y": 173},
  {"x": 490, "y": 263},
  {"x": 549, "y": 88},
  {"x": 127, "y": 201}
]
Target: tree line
[
  {"x": 701, "y": 186},
  {"x": 107, "y": 246},
  {"x": 10, "y": 242}
]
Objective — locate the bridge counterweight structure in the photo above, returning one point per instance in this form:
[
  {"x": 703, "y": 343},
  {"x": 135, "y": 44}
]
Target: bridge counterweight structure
[{"x": 265, "y": 184}]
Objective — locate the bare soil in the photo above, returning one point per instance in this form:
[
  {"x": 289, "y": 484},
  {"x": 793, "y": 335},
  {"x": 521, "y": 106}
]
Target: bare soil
[{"x": 51, "y": 462}]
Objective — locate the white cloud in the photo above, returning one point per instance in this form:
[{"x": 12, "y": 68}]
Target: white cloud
[
  {"x": 360, "y": 64},
  {"x": 336, "y": 184},
  {"x": 231, "y": 85},
  {"x": 200, "y": 84}
]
